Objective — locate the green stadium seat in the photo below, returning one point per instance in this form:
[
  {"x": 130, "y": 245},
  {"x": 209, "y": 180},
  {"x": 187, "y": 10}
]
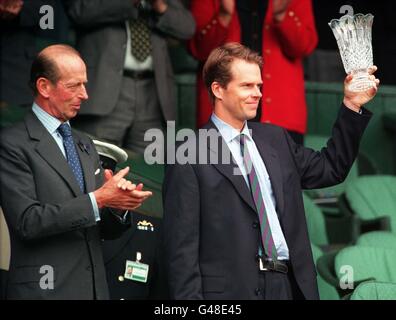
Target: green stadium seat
[
  {"x": 374, "y": 290},
  {"x": 315, "y": 222},
  {"x": 381, "y": 239},
  {"x": 326, "y": 291},
  {"x": 366, "y": 263},
  {"x": 326, "y": 270},
  {"x": 373, "y": 200},
  {"x": 330, "y": 195},
  {"x": 329, "y": 231}
]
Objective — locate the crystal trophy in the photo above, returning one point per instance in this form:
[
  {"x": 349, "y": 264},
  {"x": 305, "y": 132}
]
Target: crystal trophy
[{"x": 353, "y": 35}]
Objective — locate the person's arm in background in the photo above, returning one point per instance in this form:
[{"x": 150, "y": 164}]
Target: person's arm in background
[
  {"x": 90, "y": 13},
  {"x": 26, "y": 13},
  {"x": 214, "y": 19},
  {"x": 294, "y": 24},
  {"x": 173, "y": 18}
]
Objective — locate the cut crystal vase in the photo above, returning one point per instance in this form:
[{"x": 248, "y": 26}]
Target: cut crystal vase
[{"x": 353, "y": 35}]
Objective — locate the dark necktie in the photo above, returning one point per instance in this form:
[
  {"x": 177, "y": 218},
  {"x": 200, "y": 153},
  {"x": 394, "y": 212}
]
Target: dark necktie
[
  {"x": 140, "y": 39},
  {"x": 71, "y": 154},
  {"x": 266, "y": 234}
]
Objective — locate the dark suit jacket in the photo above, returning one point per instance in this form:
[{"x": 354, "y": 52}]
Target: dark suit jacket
[
  {"x": 117, "y": 252},
  {"x": 102, "y": 38},
  {"x": 51, "y": 222},
  {"x": 210, "y": 222},
  {"x": 20, "y": 41}
]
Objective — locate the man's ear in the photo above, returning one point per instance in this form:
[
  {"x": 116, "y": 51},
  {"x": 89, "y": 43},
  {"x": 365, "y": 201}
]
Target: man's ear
[
  {"x": 44, "y": 87},
  {"x": 217, "y": 90}
]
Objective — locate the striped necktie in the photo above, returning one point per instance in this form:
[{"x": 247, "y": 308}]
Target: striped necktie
[
  {"x": 71, "y": 154},
  {"x": 266, "y": 235}
]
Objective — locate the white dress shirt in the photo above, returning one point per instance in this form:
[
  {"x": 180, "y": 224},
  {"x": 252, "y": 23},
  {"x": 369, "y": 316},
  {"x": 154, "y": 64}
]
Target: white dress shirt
[{"x": 231, "y": 137}]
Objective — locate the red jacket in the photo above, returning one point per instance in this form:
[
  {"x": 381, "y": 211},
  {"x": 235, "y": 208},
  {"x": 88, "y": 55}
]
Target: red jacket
[{"x": 285, "y": 44}]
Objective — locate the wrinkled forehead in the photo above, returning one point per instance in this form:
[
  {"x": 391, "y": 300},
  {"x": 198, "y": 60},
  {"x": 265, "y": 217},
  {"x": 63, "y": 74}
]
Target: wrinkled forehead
[{"x": 70, "y": 66}]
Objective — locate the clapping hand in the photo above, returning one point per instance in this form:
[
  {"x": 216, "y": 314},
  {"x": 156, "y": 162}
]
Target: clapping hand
[{"x": 120, "y": 193}]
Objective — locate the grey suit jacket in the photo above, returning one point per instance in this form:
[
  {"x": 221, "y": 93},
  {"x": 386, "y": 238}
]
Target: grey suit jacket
[
  {"x": 18, "y": 49},
  {"x": 21, "y": 39},
  {"x": 51, "y": 222},
  {"x": 102, "y": 38}
]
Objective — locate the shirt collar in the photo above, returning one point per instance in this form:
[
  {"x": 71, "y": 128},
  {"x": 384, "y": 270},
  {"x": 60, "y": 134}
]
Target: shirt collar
[
  {"x": 228, "y": 132},
  {"x": 49, "y": 122}
]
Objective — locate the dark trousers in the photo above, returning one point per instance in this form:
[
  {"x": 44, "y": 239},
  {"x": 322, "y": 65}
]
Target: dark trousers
[{"x": 278, "y": 286}]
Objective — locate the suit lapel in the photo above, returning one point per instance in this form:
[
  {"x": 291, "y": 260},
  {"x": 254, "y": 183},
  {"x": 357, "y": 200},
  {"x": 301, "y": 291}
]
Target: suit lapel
[
  {"x": 48, "y": 149},
  {"x": 227, "y": 169},
  {"x": 86, "y": 163},
  {"x": 272, "y": 163}
]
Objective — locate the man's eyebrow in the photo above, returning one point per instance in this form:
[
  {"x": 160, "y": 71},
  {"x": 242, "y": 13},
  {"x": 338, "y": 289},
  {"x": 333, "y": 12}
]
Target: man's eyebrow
[
  {"x": 251, "y": 82},
  {"x": 72, "y": 83}
]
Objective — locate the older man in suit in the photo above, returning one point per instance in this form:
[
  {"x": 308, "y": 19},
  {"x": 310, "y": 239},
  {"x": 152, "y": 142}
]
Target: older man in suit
[
  {"x": 57, "y": 200},
  {"x": 131, "y": 80},
  {"x": 242, "y": 234}
]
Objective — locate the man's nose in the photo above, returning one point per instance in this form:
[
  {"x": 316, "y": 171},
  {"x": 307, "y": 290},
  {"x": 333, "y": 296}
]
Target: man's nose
[
  {"x": 257, "y": 92},
  {"x": 83, "y": 93}
]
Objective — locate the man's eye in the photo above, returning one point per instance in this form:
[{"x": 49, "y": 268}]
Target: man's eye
[{"x": 73, "y": 86}]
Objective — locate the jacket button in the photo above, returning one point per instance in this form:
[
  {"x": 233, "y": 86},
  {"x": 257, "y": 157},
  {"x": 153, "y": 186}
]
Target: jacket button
[
  {"x": 255, "y": 224},
  {"x": 257, "y": 291}
]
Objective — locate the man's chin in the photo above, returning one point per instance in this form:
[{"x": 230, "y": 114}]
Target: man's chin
[{"x": 251, "y": 115}]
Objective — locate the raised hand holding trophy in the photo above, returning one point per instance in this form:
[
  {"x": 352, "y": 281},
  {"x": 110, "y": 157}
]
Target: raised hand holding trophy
[{"x": 353, "y": 35}]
